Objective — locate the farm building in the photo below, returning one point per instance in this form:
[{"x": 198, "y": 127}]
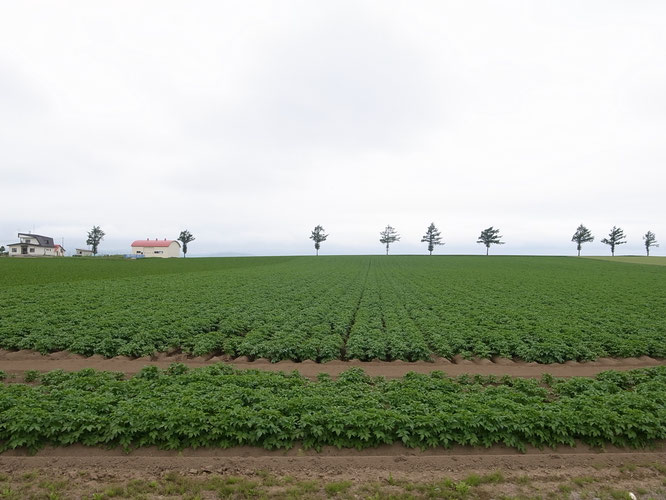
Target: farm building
[
  {"x": 35, "y": 245},
  {"x": 82, "y": 252},
  {"x": 156, "y": 248}
]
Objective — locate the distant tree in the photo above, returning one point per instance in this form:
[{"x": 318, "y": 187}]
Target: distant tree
[
  {"x": 489, "y": 237},
  {"x": 650, "y": 240},
  {"x": 95, "y": 236},
  {"x": 432, "y": 237},
  {"x": 318, "y": 236},
  {"x": 582, "y": 235},
  {"x": 2, "y": 251},
  {"x": 388, "y": 236},
  {"x": 185, "y": 238},
  {"x": 615, "y": 237}
]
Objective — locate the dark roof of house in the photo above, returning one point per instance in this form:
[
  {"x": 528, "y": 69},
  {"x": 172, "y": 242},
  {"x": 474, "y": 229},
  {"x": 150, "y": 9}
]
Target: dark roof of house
[{"x": 42, "y": 241}]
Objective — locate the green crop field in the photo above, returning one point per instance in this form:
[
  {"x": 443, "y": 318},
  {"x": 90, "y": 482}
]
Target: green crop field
[
  {"x": 217, "y": 406},
  {"x": 545, "y": 309}
]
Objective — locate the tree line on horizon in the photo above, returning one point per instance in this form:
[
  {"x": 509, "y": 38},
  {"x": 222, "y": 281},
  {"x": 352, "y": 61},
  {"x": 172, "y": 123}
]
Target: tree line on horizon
[
  {"x": 432, "y": 236},
  {"x": 491, "y": 236}
]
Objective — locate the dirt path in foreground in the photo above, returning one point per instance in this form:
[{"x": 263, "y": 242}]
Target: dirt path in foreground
[
  {"x": 18, "y": 362},
  {"x": 391, "y": 470}
]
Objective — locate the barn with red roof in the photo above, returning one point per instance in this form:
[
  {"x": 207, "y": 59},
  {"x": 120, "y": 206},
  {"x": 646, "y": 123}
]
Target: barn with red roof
[{"x": 156, "y": 248}]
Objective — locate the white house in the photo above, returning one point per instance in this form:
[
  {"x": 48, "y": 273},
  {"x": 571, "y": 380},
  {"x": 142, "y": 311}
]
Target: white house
[
  {"x": 35, "y": 245},
  {"x": 82, "y": 252},
  {"x": 156, "y": 248}
]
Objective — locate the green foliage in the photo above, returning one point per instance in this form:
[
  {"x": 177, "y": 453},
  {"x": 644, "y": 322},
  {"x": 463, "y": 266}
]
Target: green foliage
[
  {"x": 185, "y": 238},
  {"x": 149, "y": 373},
  {"x": 177, "y": 369},
  {"x": 582, "y": 235},
  {"x": 545, "y": 309},
  {"x": 387, "y": 236},
  {"x": 95, "y": 236},
  {"x": 318, "y": 237},
  {"x": 220, "y": 407},
  {"x": 337, "y": 487},
  {"x": 490, "y": 236},
  {"x": 432, "y": 237},
  {"x": 615, "y": 238},
  {"x": 649, "y": 238}
]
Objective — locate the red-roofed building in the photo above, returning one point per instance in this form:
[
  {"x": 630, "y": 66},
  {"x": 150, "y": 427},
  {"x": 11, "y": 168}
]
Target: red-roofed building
[{"x": 156, "y": 248}]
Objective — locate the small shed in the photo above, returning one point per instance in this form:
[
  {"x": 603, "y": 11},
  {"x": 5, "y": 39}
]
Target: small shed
[
  {"x": 83, "y": 252},
  {"x": 156, "y": 248}
]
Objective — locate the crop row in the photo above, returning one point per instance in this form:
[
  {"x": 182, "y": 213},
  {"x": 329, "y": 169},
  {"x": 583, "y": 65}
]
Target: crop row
[
  {"x": 257, "y": 313},
  {"x": 410, "y": 308},
  {"x": 217, "y": 406}
]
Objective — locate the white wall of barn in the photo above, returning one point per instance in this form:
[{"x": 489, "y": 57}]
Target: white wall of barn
[{"x": 173, "y": 250}]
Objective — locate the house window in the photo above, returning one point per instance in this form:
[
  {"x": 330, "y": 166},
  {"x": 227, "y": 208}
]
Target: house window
[
  {"x": 159, "y": 251},
  {"x": 13, "y": 250},
  {"x": 32, "y": 250}
]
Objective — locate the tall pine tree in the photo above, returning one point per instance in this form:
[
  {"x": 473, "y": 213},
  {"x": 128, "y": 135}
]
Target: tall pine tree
[
  {"x": 185, "y": 238},
  {"x": 615, "y": 238},
  {"x": 318, "y": 236},
  {"x": 650, "y": 240},
  {"x": 490, "y": 236},
  {"x": 388, "y": 235},
  {"x": 95, "y": 236},
  {"x": 582, "y": 235},
  {"x": 432, "y": 237}
]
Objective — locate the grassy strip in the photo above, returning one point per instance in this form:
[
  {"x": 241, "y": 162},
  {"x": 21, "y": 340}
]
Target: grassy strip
[
  {"x": 218, "y": 406},
  {"x": 645, "y": 481},
  {"x": 654, "y": 260}
]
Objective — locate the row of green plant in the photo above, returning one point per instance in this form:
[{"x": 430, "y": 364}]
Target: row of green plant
[
  {"x": 532, "y": 308},
  {"x": 218, "y": 406}
]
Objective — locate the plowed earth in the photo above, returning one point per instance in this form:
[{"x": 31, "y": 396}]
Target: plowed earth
[{"x": 18, "y": 362}]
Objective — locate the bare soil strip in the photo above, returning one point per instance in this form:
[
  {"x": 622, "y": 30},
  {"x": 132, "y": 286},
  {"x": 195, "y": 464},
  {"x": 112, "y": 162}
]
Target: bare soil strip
[
  {"x": 18, "y": 362},
  {"x": 426, "y": 466},
  {"x": 392, "y": 450},
  {"x": 487, "y": 475}
]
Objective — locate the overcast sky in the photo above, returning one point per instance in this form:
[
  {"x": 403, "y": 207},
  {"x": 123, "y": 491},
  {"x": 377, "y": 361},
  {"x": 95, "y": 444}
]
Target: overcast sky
[{"x": 249, "y": 123}]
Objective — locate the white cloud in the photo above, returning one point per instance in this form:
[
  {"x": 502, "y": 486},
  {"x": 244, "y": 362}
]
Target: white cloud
[{"x": 250, "y": 123}]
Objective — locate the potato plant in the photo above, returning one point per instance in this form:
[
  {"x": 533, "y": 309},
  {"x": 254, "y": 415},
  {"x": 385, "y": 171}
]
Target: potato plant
[
  {"x": 218, "y": 406},
  {"x": 544, "y": 309}
]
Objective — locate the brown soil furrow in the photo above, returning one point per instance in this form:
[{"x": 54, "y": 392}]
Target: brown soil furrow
[
  {"x": 549, "y": 465},
  {"x": 552, "y": 475},
  {"x": 21, "y": 361},
  {"x": 392, "y": 450}
]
